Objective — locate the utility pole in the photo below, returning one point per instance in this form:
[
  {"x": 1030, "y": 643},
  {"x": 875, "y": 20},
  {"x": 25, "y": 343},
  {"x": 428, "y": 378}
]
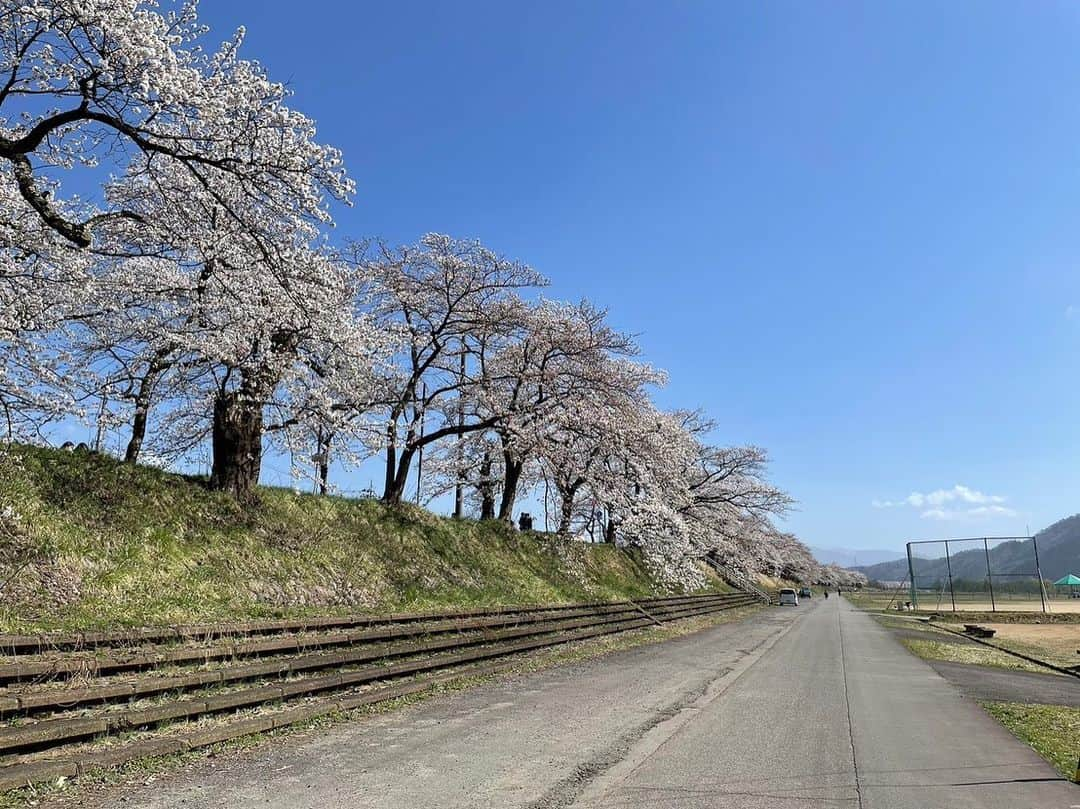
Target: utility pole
[
  {"x": 100, "y": 425},
  {"x": 420, "y": 455},
  {"x": 459, "y": 487}
]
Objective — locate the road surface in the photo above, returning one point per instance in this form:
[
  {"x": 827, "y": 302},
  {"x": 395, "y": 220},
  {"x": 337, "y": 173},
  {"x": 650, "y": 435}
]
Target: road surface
[
  {"x": 816, "y": 706},
  {"x": 1007, "y": 685}
]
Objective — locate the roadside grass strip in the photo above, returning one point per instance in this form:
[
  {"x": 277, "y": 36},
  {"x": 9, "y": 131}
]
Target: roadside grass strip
[
  {"x": 971, "y": 654},
  {"x": 1053, "y": 731}
]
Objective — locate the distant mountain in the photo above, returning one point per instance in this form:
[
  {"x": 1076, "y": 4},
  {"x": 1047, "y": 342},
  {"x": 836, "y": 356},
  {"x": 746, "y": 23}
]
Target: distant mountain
[
  {"x": 1059, "y": 553},
  {"x": 852, "y": 557}
]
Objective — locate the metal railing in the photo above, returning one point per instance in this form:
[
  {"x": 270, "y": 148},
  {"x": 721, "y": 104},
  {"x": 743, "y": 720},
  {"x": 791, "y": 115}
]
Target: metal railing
[{"x": 737, "y": 580}]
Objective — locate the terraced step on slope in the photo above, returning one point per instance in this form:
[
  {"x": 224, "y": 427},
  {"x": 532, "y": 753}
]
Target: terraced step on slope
[{"x": 71, "y": 711}]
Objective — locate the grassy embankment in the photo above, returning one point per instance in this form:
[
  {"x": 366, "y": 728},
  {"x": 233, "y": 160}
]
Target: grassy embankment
[{"x": 96, "y": 543}]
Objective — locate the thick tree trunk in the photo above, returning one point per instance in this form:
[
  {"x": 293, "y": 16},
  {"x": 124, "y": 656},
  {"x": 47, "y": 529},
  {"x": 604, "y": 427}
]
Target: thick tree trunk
[
  {"x": 391, "y": 462},
  {"x": 566, "y": 512},
  {"x": 237, "y": 445},
  {"x": 511, "y": 477},
  {"x": 324, "y": 473},
  {"x": 138, "y": 428},
  {"x": 487, "y": 489},
  {"x": 609, "y": 528},
  {"x": 567, "y": 494},
  {"x": 324, "y": 477},
  {"x": 395, "y": 491},
  {"x": 322, "y": 453}
]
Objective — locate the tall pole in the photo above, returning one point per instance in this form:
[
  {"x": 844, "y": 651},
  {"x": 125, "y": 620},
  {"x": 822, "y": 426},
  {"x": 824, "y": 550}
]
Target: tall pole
[
  {"x": 1038, "y": 573},
  {"x": 948, "y": 564},
  {"x": 100, "y": 425},
  {"x": 911, "y": 578},
  {"x": 420, "y": 455},
  {"x": 459, "y": 487},
  {"x": 989, "y": 575}
]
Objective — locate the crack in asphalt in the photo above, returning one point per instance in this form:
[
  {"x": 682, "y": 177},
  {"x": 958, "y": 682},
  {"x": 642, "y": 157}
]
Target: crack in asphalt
[
  {"x": 566, "y": 791},
  {"x": 847, "y": 702}
]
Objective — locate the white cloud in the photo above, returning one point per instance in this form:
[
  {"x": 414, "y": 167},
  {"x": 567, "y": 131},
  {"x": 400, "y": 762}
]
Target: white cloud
[
  {"x": 967, "y": 513},
  {"x": 932, "y": 505},
  {"x": 992, "y": 511},
  {"x": 937, "y": 514},
  {"x": 957, "y": 493},
  {"x": 1070, "y": 311}
]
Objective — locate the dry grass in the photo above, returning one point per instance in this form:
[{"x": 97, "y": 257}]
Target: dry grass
[
  {"x": 1055, "y": 643},
  {"x": 971, "y": 654},
  {"x": 98, "y": 543}
]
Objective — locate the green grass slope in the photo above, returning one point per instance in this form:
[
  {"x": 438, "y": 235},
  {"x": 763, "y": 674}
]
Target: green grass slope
[{"x": 86, "y": 541}]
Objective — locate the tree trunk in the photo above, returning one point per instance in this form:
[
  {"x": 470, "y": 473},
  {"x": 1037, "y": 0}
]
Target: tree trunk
[
  {"x": 511, "y": 477},
  {"x": 487, "y": 489},
  {"x": 138, "y": 426},
  {"x": 237, "y": 445},
  {"x": 324, "y": 462},
  {"x": 395, "y": 492},
  {"x": 157, "y": 366},
  {"x": 566, "y": 512},
  {"x": 391, "y": 462},
  {"x": 324, "y": 475},
  {"x": 609, "y": 528}
]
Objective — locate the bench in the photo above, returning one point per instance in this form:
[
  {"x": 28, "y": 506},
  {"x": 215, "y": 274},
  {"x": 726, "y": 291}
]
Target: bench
[{"x": 979, "y": 631}]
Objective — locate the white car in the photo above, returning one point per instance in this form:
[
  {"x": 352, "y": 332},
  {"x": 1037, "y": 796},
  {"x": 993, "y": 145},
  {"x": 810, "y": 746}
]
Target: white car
[{"x": 789, "y": 596}]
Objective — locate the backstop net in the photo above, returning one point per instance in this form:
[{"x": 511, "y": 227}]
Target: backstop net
[{"x": 985, "y": 574}]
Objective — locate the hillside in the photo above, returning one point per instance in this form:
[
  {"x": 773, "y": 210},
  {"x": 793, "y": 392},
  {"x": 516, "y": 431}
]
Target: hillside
[
  {"x": 87, "y": 541},
  {"x": 1059, "y": 553}
]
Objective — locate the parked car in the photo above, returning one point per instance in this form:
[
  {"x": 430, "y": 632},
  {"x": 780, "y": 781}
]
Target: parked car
[
  {"x": 806, "y": 592},
  {"x": 789, "y": 596}
]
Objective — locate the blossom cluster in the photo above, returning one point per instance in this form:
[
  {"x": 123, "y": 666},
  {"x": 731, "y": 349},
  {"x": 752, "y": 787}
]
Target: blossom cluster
[{"x": 196, "y": 304}]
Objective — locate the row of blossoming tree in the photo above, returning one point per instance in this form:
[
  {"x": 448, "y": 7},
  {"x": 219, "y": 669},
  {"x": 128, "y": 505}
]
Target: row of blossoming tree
[{"x": 164, "y": 270}]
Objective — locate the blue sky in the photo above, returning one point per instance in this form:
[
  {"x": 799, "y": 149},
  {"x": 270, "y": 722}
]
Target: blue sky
[{"x": 848, "y": 230}]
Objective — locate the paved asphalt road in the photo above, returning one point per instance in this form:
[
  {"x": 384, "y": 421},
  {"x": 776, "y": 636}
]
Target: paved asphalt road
[
  {"x": 810, "y": 707},
  {"x": 1006, "y": 685}
]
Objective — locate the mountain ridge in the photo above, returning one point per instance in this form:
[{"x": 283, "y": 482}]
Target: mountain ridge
[{"x": 1058, "y": 547}]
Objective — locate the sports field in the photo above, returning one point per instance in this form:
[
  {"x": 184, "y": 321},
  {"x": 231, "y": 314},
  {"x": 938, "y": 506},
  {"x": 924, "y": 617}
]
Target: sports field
[{"x": 934, "y": 601}]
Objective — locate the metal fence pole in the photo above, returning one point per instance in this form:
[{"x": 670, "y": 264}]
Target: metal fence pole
[
  {"x": 911, "y": 577},
  {"x": 948, "y": 564},
  {"x": 1038, "y": 573},
  {"x": 989, "y": 575}
]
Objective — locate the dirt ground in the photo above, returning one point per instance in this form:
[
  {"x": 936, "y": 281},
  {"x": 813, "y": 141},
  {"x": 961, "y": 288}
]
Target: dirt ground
[
  {"x": 1054, "y": 605},
  {"x": 965, "y": 602},
  {"x": 1003, "y": 605},
  {"x": 1057, "y": 643}
]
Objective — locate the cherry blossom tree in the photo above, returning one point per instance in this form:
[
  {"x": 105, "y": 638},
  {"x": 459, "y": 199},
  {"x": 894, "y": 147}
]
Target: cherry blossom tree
[
  {"x": 42, "y": 277},
  {"x": 563, "y": 360},
  {"x": 455, "y": 303},
  {"x": 209, "y": 171},
  {"x": 192, "y": 295},
  {"x": 120, "y": 82}
]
